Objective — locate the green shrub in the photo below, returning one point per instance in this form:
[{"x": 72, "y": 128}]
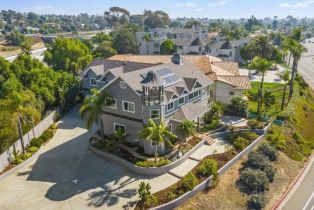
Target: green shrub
[
  {"x": 147, "y": 163},
  {"x": 255, "y": 124},
  {"x": 256, "y": 202},
  {"x": 54, "y": 126},
  {"x": 48, "y": 134},
  {"x": 17, "y": 160},
  {"x": 251, "y": 136},
  {"x": 208, "y": 167},
  {"x": 269, "y": 151},
  {"x": 188, "y": 182},
  {"x": 252, "y": 181},
  {"x": 32, "y": 149},
  {"x": 36, "y": 142},
  {"x": 240, "y": 143},
  {"x": 257, "y": 160},
  {"x": 171, "y": 195},
  {"x": 151, "y": 200},
  {"x": 26, "y": 155},
  {"x": 237, "y": 107}
]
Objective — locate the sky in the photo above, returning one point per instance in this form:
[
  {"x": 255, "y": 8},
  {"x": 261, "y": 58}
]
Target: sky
[{"x": 175, "y": 8}]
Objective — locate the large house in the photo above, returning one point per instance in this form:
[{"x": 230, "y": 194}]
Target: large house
[
  {"x": 188, "y": 40},
  {"x": 170, "y": 88}
]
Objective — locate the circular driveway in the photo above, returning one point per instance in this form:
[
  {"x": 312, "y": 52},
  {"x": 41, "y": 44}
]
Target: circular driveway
[{"x": 67, "y": 175}]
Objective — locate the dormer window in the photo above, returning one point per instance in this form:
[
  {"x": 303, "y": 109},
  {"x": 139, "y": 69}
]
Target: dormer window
[{"x": 93, "y": 82}]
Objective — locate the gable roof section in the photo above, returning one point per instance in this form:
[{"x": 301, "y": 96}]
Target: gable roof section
[
  {"x": 198, "y": 42},
  {"x": 189, "y": 111},
  {"x": 239, "y": 82},
  {"x": 190, "y": 82},
  {"x": 230, "y": 67}
]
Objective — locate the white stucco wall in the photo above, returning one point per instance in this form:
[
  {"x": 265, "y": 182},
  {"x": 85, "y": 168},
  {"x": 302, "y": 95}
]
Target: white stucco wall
[{"x": 223, "y": 92}]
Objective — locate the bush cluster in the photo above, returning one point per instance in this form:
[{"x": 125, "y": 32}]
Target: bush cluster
[
  {"x": 240, "y": 139},
  {"x": 255, "y": 124},
  {"x": 207, "y": 168},
  {"x": 256, "y": 174},
  {"x": 188, "y": 182},
  {"x": 147, "y": 163}
]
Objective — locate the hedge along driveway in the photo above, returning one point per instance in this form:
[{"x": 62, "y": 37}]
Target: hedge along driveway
[{"x": 67, "y": 175}]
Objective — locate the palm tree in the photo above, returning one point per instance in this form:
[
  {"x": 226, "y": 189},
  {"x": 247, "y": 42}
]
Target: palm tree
[
  {"x": 26, "y": 48},
  {"x": 262, "y": 66},
  {"x": 296, "y": 49},
  {"x": 91, "y": 109},
  {"x": 144, "y": 193},
  {"x": 158, "y": 134},
  {"x": 186, "y": 128},
  {"x": 268, "y": 99},
  {"x": 285, "y": 76},
  {"x": 256, "y": 97}
]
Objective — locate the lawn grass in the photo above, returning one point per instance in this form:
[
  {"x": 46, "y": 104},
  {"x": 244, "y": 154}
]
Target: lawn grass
[{"x": 277, "y": 91}]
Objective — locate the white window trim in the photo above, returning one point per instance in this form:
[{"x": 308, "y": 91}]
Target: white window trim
[
  {"x": 90, "y": 81},
  {"x": 182, "y": 102},
  {"x": 128, "y": 110},
  {"x": 172, "y": 106},
  {"x": 114, "y": 127},
  {"x": 115, "y": 104},
  {"x": 158, "y": 114}
]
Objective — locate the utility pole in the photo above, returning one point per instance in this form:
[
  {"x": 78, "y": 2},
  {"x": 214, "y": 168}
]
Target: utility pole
[{"x": 21, "y": 133}]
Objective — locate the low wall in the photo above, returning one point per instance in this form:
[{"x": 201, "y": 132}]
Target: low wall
[
  {"x": 7, "y": 156},
  {"x": 207, "y": 183},
  {"x": 146, "y": 171}
]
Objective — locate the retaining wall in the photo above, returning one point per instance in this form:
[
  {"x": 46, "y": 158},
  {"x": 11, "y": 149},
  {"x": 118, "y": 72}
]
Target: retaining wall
[
  {"x": 207, "y": 183},
  {"x": 7, "y": 156}
]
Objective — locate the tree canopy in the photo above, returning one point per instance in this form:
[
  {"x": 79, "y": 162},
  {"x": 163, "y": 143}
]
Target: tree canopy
[
  {"x": 70, "y": 55},
  {"x": 124, "y": 40},
  {"x": 167, "y": 47}
]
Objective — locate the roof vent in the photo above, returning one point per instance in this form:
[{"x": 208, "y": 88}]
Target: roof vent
[{"x": 177, "y": 59}]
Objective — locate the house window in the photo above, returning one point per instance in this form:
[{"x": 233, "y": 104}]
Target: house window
[
  {"x": 170, "y": 106},
  {"x": 170, "y": 127},
  {"x": 128, "y": 106},
  {"x": 111, "y": 102},
  {"x": 191, "y": 96},
  {"x": 181, "y": 101},
  {"x": 231, "y": 93},
  {"x": 117, "y": 127},
  {"x": 93, "y": 82},
  {"x": 155, "y": 114}
]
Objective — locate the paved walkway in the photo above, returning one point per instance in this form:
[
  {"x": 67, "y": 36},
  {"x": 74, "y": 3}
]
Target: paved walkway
[
  {"x": 68, "y": 176},
  {"x": 219, "y": 146}
]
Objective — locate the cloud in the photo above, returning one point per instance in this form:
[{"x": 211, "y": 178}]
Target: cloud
[
  {"x": 187, "y": 4},
  {"x": 199, "y": 9},
  {"x": 219, "y": 3},
  {"x": 300, "y": 5},
  {"x": 285, "y": 5}
]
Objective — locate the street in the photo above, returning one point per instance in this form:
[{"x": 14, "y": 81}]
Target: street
[
  {"x": 39, "y": 54},
  {"x": 306, "y": 64},
  {"x": 302, "y": 196}
]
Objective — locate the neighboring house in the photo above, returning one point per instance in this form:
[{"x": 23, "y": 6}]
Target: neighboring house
[
  {"x": 169, "y": 88},
  {"x": 188, "y": 41},
  {"x": 227, "y": 50},
  {"x": 228, "y": 81}
]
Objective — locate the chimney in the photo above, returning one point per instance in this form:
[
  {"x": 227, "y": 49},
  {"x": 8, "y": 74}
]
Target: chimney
[{"x": 177, "y": 59}]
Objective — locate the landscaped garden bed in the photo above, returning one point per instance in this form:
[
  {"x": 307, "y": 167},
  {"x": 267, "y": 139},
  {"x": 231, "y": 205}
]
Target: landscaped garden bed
[
  {"x": 32, "y": 148},
  {"x": 207, "y": 167}
]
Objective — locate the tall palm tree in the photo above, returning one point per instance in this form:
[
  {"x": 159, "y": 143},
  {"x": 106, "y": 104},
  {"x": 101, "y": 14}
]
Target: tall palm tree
[
  {"x": 91, "y": 109},
  {"x": 186, "y": 128},
  {"x": 296, "y": 49},
  {"x": 157, "y": 133},
  {"x": 268, "y": 100},
  {"x": 285, "y": 76},
  {"x": 262, "y": 66}
]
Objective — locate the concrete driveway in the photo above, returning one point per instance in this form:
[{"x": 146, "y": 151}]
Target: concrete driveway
[{"x": 68, "y": 176}]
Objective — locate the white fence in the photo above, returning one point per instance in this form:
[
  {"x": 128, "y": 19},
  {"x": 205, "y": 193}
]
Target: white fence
[{"x": 6, "y": 157}]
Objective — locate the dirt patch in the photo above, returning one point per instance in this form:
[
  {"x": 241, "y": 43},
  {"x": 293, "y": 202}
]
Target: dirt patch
[
  {"x": 224, "y": 196},
  {"x": 286, "y": 170},
  {"x": 227, "y": 196}
]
